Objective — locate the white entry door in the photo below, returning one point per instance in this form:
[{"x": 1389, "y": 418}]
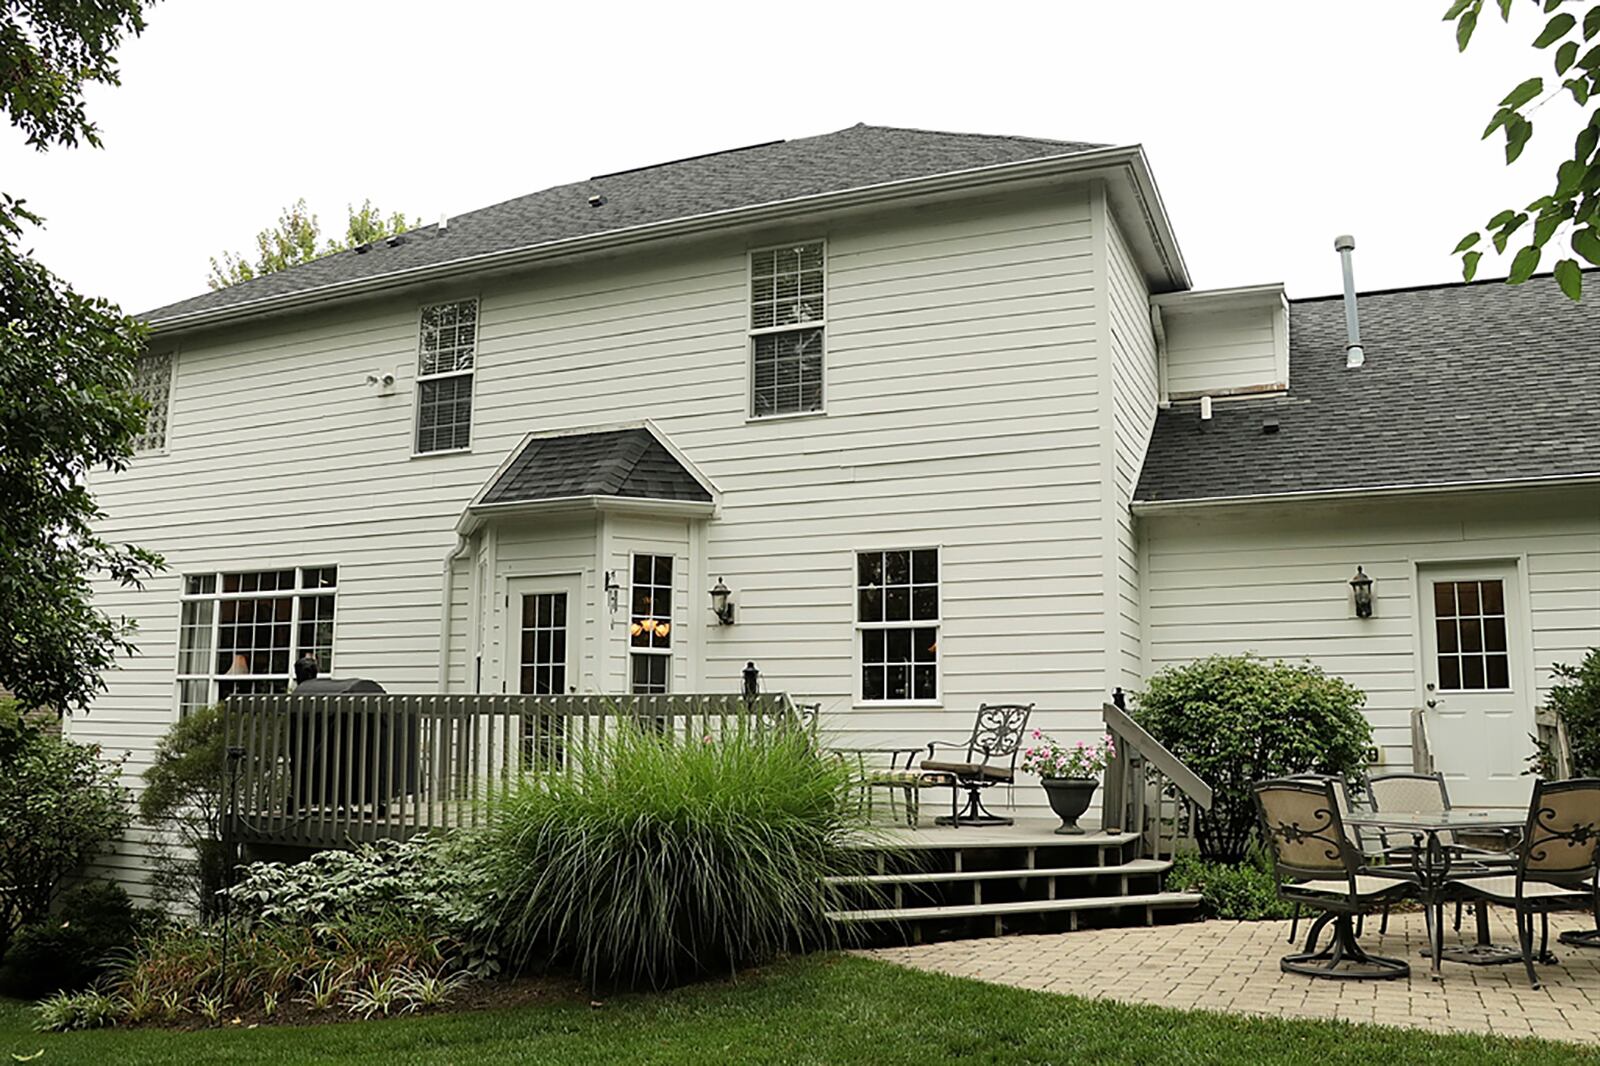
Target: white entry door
[{"x": 1479, "y": 710}]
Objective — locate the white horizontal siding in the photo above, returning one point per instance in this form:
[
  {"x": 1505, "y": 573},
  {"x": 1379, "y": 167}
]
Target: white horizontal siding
[
  {"x": 1218, "y": 351},
  {"x": 963, "y": 411},
  {"x": 1274, "y": 581}
]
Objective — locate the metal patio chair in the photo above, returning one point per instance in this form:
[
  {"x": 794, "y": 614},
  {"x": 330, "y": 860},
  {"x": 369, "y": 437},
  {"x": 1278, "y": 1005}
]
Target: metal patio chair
[
  {"x": 1558, "y": 861},
  {"x": 1362, "y": 844},
  {"x": 991, "y": 759},
  {"x": 1317, "y": 864},
  {"x": 1428, "y": 794}
]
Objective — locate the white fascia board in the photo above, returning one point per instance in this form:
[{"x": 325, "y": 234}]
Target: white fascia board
[
  {"x": 1198, "y": 301},
  {"x": 1125, "y": 165},
  {"x": 1149, "y": 507},
  {"x": 477, "y": 515}
]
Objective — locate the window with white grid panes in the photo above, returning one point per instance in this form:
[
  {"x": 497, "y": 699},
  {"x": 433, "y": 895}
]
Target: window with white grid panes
[
  {"x": 241, "y": 632},
  {"x": 650, "y": 626},
  {"x": 152, "y": 383},
  {"x": 1470, "y": 635},
  {"x": 788, "y": 325},
  {"x": 447, "y": 350},
  {"x": 897, "y": 616}
]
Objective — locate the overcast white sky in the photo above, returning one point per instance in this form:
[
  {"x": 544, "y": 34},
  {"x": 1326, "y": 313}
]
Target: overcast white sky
[{"x": 1272, "y": 126}]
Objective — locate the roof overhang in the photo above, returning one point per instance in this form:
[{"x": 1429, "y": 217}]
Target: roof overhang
[
  {"x": 1157, "y": 507},
  {"x": 1131, "y": 189}
]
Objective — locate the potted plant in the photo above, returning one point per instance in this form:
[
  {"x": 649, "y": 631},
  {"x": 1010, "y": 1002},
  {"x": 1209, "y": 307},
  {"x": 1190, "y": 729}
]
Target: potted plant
[{"x": 1069, "y": 774}]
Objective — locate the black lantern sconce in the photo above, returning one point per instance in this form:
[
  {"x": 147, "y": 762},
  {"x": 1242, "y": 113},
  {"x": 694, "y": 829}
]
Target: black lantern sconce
[
  {"x": 612, "y": 589},
  {"x": 1361, "y": 586},
  {"x": 721, "y": 606}
]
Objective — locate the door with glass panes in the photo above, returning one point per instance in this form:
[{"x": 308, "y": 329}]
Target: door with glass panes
[
  {"x": 543, "y": 660},
  {"x": 1478, "y": 708}
]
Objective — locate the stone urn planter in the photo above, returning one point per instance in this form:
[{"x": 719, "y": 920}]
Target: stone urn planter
[{"x": 1069, "y": 798}]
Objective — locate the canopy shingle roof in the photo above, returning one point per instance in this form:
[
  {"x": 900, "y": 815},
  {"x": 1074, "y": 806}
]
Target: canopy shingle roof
[
  {"x": 834, "y": 162},
  {"x": 629, "y": 463},
  {"x": 1462, "y": 383}
]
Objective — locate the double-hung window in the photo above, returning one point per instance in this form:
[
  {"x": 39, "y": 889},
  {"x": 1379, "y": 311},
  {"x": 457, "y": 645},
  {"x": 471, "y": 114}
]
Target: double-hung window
[
  {"x": 897, "y": 619},
  {"x": 788, "y": 323},
  {"x": 447, "y": 351},
  {"x": 152, "y": 383},
  {"x": 242, "y": 633},
  {"x": 650, "y": 626}
]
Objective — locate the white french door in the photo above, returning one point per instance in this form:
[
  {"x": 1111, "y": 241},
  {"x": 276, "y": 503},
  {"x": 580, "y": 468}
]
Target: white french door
[{"x": 1479, "y": 709}]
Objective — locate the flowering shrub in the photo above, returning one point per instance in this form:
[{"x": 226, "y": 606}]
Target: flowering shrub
[{"x": 1048, "y": 757}]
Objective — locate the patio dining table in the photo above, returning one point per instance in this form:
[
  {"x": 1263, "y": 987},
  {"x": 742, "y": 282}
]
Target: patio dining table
[{"x": 1431, "y": 864}]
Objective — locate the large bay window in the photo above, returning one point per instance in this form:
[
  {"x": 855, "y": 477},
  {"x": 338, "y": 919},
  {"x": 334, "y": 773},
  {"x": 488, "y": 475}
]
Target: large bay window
[
  {"x": 897, "y": 618},
  {"x": 242, "y": 633}
]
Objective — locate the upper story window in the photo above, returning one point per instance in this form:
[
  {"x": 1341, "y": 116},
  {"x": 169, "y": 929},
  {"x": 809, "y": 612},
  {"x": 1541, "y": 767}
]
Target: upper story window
[
  {"x": 241, "y": 633},
  {"x": 897, "y": 615},
  {"x": 788, "y": 322},
  {"x": 447, "y": 352},
  {"x": 650, "y": 626},
  {"x": 152, "y": 382}
]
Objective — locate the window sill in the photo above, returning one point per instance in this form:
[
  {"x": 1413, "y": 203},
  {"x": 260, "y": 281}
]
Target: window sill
[
  {"x": 442, "y": 451},
  {"x": 788, "y": 416},
  {"x": 895, "y": 705}
]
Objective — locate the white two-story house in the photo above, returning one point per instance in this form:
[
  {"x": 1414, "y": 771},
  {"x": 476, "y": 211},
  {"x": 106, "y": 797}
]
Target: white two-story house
[{"x": 940, "y": 413}]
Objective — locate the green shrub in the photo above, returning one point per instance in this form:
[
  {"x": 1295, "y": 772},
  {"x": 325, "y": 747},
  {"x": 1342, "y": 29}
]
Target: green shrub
[
  {"x": 1244, "y": 891},
  {"x": 664, "y": 859},
  {"x": 60, "y": 803},
  {"x": 1576, "y": 699},
  {"x": 1236, "y": 720},
  {"x": 183, "y": 796},
  {"x": 73, "y": 947}
]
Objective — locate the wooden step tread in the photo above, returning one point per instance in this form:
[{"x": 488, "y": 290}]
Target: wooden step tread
[
  {"x": 1135, "y": 868},
  {"x": 984, "y": 838},
  {"x": 1037, "y": 906}
]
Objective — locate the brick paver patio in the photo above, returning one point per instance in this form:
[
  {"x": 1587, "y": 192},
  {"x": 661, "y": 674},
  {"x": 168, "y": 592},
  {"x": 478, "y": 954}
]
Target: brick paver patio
[{"x": 1233, "y": 967}]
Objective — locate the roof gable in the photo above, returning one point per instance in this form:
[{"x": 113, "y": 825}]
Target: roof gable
[{"x": 620, "y": 463}]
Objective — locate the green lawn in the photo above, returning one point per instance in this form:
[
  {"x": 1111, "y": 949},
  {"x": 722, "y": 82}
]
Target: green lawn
[{"x": 823, "y": 1010}]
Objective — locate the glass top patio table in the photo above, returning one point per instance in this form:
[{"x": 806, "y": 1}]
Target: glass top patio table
[{"x": 1431, "y": 864}]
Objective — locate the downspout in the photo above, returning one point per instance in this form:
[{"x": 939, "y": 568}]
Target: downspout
[
  {"x": 1158, "y": 329},
  {"x": 446, "y": 571}
]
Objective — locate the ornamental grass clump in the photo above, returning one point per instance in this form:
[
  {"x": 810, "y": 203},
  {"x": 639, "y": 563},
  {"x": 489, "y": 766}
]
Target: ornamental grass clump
[{"x": 665, "y": 859}]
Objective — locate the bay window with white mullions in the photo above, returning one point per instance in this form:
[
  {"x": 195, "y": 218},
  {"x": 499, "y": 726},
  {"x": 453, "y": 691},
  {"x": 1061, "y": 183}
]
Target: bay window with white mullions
[
  {"x": 897, "y": 621},
  {"x": 242, "y": 632},
  {"x": 650, "y": 626},
  {"x": 788, "y": 326},
  {"x": 447, "y": 354}
]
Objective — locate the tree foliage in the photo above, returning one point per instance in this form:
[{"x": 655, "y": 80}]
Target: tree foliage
[
  {"x": 1575, "y": 697},
  {"x": 66, "y": 367},
  {"x": 50, "y": 50},
  {"x": 297, "y": 238},
  {"x": 1569, "y": 213}
]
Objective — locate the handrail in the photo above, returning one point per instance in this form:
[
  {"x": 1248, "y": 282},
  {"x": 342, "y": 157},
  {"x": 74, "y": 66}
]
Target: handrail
[{"x": 1127, "y": 731}]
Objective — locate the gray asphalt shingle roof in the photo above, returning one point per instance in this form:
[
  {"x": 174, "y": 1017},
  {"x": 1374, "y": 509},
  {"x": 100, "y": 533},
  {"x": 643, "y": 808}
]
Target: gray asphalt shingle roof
[
  {"x": 1462, "y": 383},
  {"x": 624, "y": 462},
  {"x": 833, "y": 162}
]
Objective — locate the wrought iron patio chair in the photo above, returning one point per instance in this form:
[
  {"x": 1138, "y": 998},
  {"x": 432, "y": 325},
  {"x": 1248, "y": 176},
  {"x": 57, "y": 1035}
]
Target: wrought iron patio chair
[
  {"x": 1428, "y": 794},
  {"x": 1317, "y": 864},
  {"x": 1362, "y": 844},
  {"x": 991, "y": 759},
  {"x": 1558, "y": 861}
]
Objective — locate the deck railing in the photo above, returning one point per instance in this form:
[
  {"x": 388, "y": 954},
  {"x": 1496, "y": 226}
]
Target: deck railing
[
  {"x": 1143, "y": 780},
  {"x": 327, "y": 771}
]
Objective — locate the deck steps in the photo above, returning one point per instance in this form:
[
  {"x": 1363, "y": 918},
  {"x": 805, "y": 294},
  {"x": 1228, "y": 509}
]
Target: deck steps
[
  {"x": 1037, "y": 906},
  {"x": 940, "y": 883}
]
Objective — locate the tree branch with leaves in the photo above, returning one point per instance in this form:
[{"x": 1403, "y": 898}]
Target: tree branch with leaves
[
  {"x": 297, "y": 238},
  {"x": 1571, "y": 209}
]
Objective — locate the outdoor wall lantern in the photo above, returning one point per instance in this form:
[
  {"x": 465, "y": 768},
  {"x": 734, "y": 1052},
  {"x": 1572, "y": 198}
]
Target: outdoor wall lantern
[
  {"x": 612, "y": 589},
  {"x": 721, "y": 606},
  {"x": 1361, "y": 585}
]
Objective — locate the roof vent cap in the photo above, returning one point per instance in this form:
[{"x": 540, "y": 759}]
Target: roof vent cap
[{"x": 597, "y": 200}]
